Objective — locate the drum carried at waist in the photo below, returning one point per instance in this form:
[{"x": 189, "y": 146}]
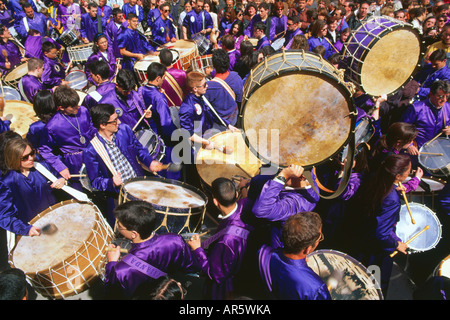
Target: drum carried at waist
[
  {"x": 69, "y": 36},
  {"x": 13, "y": 77},
  {"x": 187, "y": 51},
  {"x": 345, "y": 277},
  {"x": 382, "y": 55},
  {"x": 141, "y": 66},
  {"x": 80, "y": 53},
  {"x": 180, "y": 207},
  {"x": 65, "y": 263}
]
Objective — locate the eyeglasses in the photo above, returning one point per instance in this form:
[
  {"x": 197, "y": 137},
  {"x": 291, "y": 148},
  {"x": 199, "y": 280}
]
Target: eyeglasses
[
  {"x": 290, "y": 24},
  {"x": 25, "y": 157},
  {"x": 442, "y": 96},
  {"x": 321, "y": 237},
  {"x": 166, "y": 10},
  {"x": 113, "y": 121},
  {"x": 202, "y": 86}
]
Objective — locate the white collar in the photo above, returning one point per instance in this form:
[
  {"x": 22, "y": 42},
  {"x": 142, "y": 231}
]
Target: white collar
[{"x": 230, "y": 214}]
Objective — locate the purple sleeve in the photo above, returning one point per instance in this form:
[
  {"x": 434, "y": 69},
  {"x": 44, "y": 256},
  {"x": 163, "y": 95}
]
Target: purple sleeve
[{"x": 8, "y": 214}]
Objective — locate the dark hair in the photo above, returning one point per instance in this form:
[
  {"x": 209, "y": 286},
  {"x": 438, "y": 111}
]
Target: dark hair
[
  {"x": 66, "y": 97},
  {"x": 260, "y": 26},
  {"x": 220, "y": 61},
  {"x": 403, "y": 131},
  {"x": 163, "y": 288},
  {"x": 300, "y": 231},
  {"x": 4, "y": 138},
  {"x": 241, "y": 27},
  {"x": 316, "y": 27},
  {"x": 166, "y": 57},
  {"x": 440, "y": 85},
  {"x": 154, "y": 70},
  {"x": 125, "y": 79},
  {"x": 101, "y": 113},
  {"x": 228, "y": 41},
  {"x": 116, "y": 11},
  {"x": 320, "y": 50},
  {"x": 294, "y": 19},
  {"x": 13, "y": 284},
  {"x": 44, "y": 105},
  {"x": 47, "y": 46},
  {"x": 267, "y": 51},
  {"x": 34, "y": 63},
  {"x": 136, "y": 215},
  {"x": 99, "y": 67},
  {"x": 97, "y": 37},
  {"x": 92, "y": 5},
  {"x": 264, "y": 5},
  {"x": 438, "y": 55},
  {"x": 224, "y": 190},
  {"x": 131, "y": 16}
]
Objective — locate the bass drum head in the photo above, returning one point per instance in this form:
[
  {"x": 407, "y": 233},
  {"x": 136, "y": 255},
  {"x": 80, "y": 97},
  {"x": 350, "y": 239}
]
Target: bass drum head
[
  {"x": 345, "y": 277},
  {"x": 297, "y": 117}
]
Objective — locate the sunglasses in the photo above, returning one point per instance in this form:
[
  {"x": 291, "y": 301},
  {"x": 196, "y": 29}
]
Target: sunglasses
[{"x": 25, "y": 157}]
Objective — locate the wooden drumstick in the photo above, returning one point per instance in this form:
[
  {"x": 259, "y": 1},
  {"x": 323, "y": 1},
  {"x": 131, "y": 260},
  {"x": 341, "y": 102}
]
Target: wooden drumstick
[
  {"x": 407, "y": 204},
  {"x": 411, "y": 240},
  {"x": 78, "y": 175},
  {"x": 433, "y": 139},
  {"x": 142, "y": 117},
  {"x": 432, "y": 153},
  {"x": 122, "y": 250}
]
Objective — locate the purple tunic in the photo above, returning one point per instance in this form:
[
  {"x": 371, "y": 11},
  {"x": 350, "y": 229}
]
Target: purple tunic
[
  {"x": 94, "y": 97},
  {"x": 4, "y": 125},
  {"x": 167, "y": 252},
  {"x": 66, "y": 15},
  {"x": 60, "y": 138},
  {"x": 9, "y": 219},
  {"x": 89, "y": 26},
  {"x": 440, "y": 74},
  {"x": 110, "y": 59},
  {"x": 249, "y": 30},
  {"x": 278, "y": 27},
  {"x": 314, "y": 42},
  {"x": 113, "y": 30},
  {"x": 225, "y": 105},
  {"x": 289, "y": 279},
  {"x": 29, "y": 85},
  {"x": 136, "y": 9},
  {"x": 134, "y": 42},
  {"x": 33, "y": 46},
  {"x": 224, "y": 257},
  {"x": 161, "y": 29},
  {"x": 263, "y": 42},
  {"x": 34, "y": 134},
  {"x": 196, "y": 22},
  {"x": 54, "y": 73},
  {"x": 289, "y": 37},
  {"x": 195, "y": 116},
  {"x": 277, "y": 204},
  {"x": 39, "y": 23},
  {"x": 234, "y": 55},
  {"x": 7, "y": 18},
  {"x": 427, "y": 118},
  {"x": 13, "y": 54},
  {"x": 179, "y": 76}
]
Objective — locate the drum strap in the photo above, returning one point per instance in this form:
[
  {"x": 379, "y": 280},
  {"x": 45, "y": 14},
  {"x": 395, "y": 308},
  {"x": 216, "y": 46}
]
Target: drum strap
[
  {"x": 143, "y": 266},
  {"x": 226, "y": 86},
  {"x": 95, "y": 95},
  {"x": 20, "y": 85},
  {"x": 231, "y": 230},
  {"x": 332, "y": 45},
  {"x": 175, "y": 86},
  {"x": 25, "y": 23},
  {"x": 101, "y": 150}
]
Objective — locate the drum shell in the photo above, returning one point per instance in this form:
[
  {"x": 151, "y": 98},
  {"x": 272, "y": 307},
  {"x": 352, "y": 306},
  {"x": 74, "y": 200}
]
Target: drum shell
[
  {"x": 363, "y": 40},
  {"x": 171, "y": 219},
  {"x": 200, "y": 63},
  {"x": 54, "y": 282},
  {"x": 155, "y": 145},
  {"x": 187, "y": 50},
  {"x": 13, "y": 77},
  {"x": 305, "y": 65},
  {"x": 80, "y": 53}
]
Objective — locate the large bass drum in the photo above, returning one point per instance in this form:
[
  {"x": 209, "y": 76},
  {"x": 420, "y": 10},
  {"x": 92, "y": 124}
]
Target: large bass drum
[
  {"x": 382, "y": 55},
  {"x": 296, "y": 109}
]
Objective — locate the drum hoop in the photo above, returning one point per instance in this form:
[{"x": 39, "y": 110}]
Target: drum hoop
[
  {"x": 421, "y": 161},
  {"x": 188, "y": 211},
  {"x": 6, "y": 75},
  {"x": 356, "y": 262},
  {"x": 324, "y": 76},
  {"x": 79, "y": 249},
  {"x": 441, "y": 264},
  {"x": 372, "y": 43}
]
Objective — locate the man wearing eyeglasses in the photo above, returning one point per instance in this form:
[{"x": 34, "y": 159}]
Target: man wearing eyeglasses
[
  {"x": 431, "y": 116},
  {"x": 163, "y": 30},
  {"x": 263, "y": 17},
  {"x": 292, "y": 31}
]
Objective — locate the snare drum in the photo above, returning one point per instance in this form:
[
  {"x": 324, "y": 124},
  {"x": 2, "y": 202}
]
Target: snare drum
[
  {"x": 345, "y": 277},
  {"x": 77, "y": 80},
  {"x": 21, "y": 114},
  {"x": 9, "y": 93},
  {"x": 152, "y": 142},
  {"x": 80, "y": 53},
  {"x": 443, "y": 269},
  {"x": 180, "y": 207},
  {"x": 213, "y": 164},
  {"x": 187, "y": 50},
  {"x": 278, "y": 44},
  {"x": 422, "y": 216},
  {"x": 12, "y": 77},
  {"x": 437, "y": 161},
  {"x": 203, "y": 44},
  {"x": 282, "y": 121},
  {"x": 69, "y": 36},
  {"x": 424, "y": 197},
  {"x": 65, "y": 263},
  {"x": 201, "y": 63},
  {"x": 382, "y": 55},
  {"x": 141, "y": 66},
  {"x": 363, "y": 134}
]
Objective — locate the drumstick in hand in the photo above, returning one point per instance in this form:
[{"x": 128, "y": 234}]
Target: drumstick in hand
[
  {"x": 142, "y": 117},
  {"x": 432, "y": 153},
  {"x": 224, "y": 149},
  {"x": 407, "y": 204},
  {"x": 122, "y": 250},
  {"x": 411, "y": 240}
]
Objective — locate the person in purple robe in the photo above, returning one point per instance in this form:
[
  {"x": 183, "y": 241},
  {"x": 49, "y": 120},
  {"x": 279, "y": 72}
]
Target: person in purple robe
[
  {"x": 374, "y": 213},
  {"x": 282, "y": 197},
  {"x": 101, "y": 50},
  {"x": 124, "y": 150},
  {"x": 33, "y": 44},
  {"x": 28, "y": 191},
  {"x": 45, "y": 108},
  {"x": 436, "y": 70},
  {"x": 318, "y": 32},
  {"x": 197, "y": 21},
  {"x": 221, "y": 255},
  {"x": 237, "y": 31},
  {"x": 278, "y": 22},
  {"x": 159, "y": 254},
  {"x": 91, "y": 24},
  {"x": 69, "y": 15},
  {"x": 284, "y": 270},
  {"x": 228, "y": 44},
  {"x": 117, "y": 24},
  {"x": 174, "y": 84},
  {"x": 132, "y": 44},
  {"x": 128, "y": 103},
  {"x": 263, "y": 17},
  {"x": 4, "y": 124},
  {"x": 133, "y": 7},
  {"x": 16, "y": 6},
  {"x": 260, "y": 34},
  {"x": 10, "y": 53},
  {"x": 163, "y": 30},
  {"x": 343, "y": 36},
  {"x": 224, "y": 91},
  {"x": 292, "y": 30},
  {"x": 6, "y": 16},
  {"x": 66, "y": 134},
  {"x": 30, "y": 84},
  {"x": 431, "y": 117},
  {"x": 161, "y": 115},
  {"x": 54, "y": 70},
  {"x": 226, "y": 21},
  {"x": 30, "y": 20},
  {"x": 99, "y": 71},
  {"x": 104, "y": 11}
]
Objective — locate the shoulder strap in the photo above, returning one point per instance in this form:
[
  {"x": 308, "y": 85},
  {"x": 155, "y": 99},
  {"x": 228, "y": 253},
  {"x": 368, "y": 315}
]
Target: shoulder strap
[
  {"x": 226, "y": 86},
  {"x": 143, "y": 266},
  {"x": 174, "y": 85},
  {"x": 20, "y": 85},
  {"x": 95, "y": 95},
  {"x": 101, "y": 150},
  {"x": 231, "y": 230}
]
